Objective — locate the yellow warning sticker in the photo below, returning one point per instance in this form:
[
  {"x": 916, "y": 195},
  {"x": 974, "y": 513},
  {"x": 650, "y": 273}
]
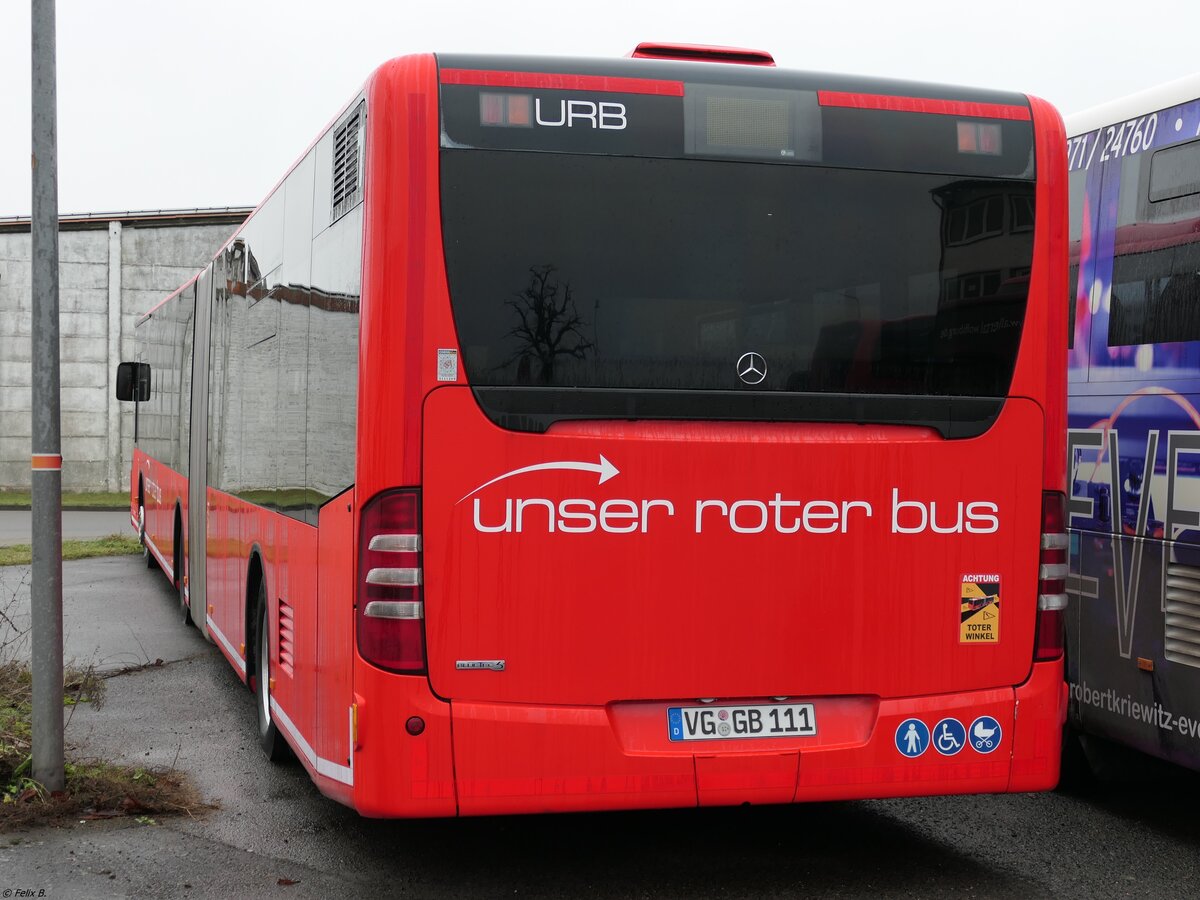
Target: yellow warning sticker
[{"x": 980, "y": 611}]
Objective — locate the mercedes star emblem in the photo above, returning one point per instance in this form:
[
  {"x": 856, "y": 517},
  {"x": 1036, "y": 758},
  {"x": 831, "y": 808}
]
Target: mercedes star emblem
[{"x": 751, "y": 368}]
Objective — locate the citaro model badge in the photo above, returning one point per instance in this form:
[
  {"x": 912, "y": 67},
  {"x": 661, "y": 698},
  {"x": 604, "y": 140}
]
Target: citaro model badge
[{"x": 487, "y": 665}]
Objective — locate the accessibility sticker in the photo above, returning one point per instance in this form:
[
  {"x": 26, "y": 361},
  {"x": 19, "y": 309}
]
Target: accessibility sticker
[
  {"x": 980, "y": 609},
  {"x": 985, "y": 734},
  {"x": 949, "y": 737},
  {"x": 912, "y": 738}
]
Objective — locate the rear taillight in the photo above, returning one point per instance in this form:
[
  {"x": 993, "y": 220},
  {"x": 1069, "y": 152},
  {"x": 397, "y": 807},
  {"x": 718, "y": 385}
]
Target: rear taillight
[
  {"x": 390, "y": 612},
  {"x": 1052, "y": 577}
]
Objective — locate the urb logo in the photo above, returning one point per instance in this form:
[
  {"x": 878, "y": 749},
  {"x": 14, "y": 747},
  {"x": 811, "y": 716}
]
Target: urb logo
[{"x": 608, "y": 116}]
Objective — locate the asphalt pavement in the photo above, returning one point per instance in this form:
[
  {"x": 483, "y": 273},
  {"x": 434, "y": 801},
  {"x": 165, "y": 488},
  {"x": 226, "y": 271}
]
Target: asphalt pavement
[
  {"x": 116, "y": 614},
  {"x": 271, "y": 834},
  {"x": 16, "y": 525}
]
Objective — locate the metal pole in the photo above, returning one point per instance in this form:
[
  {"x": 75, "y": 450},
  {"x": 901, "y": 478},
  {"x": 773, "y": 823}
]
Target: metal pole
[{"x": 47, "y": 437}]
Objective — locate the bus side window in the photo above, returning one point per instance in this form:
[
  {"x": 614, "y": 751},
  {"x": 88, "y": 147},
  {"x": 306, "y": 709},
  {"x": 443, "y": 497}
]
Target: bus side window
[
  {"x": 1176, "y": 316},
  {"x": 1156, "y": 264},
  {"x": 1127, "y": 322}
]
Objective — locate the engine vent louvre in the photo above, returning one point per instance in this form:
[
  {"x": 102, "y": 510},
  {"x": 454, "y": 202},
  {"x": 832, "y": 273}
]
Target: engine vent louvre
[
  {"x": 1182, "y": 618},
  {"x": 287, "y": 637},
  {"x": 347, "y": 163}
]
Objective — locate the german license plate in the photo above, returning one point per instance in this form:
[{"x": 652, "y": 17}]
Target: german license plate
[{"x": 720, "y": 723}]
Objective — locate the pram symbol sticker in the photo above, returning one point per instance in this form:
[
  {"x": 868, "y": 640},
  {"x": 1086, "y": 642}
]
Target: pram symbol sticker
[
  {"x": 949, "y": 737},
  {"x": 979, "y": 621},
  {"x": 985, "y": 734},
  {"x": 912, "y": 738}
]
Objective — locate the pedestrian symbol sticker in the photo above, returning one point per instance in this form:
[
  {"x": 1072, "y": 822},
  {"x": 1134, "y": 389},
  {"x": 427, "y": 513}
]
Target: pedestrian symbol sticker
[
  {"x": 980, "y": 609},
  {"x": 912, "y": 738},
  {"x": 949, "y": 737},
  {"x": 985, "y": 734}
]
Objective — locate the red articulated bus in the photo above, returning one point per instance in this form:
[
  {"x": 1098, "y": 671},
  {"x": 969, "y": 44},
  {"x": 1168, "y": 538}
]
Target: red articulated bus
[{"x": 570, "y": 434}]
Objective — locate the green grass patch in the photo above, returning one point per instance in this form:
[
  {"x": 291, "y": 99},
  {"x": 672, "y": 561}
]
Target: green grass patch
[
  {"x": 70, "y": 500},
  {"x": 94, "y": 789},
  {"x": 113, "y": 545}
]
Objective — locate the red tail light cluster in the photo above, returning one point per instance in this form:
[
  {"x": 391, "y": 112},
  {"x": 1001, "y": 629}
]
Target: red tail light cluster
[
  {"x": 390, "y": 613},
  {"x": 703, "y": 53},
  {"x": 1052, "y": 577}
]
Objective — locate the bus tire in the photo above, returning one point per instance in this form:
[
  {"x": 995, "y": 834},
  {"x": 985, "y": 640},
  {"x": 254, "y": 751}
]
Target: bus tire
[
  {"x": 185, "y": 614},
  {"x": 177, "y": 554},
  {"x": 269, "y": 738},
  {"x": 1075, "y": 772},
  {"x": 146, "y": 554},
  {"x": 1116, "y": 765}
]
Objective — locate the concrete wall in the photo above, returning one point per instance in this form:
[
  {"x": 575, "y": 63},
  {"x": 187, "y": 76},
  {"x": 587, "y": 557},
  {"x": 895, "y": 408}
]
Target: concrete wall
[{"x": 110, "y": 272}]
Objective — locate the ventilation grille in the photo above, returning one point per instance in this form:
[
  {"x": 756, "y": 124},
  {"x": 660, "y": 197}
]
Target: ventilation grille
[
  {"x": 287, "y": 637},
  {"x": 347, "y": 163},
  {"x": 1183, "y": 615}
]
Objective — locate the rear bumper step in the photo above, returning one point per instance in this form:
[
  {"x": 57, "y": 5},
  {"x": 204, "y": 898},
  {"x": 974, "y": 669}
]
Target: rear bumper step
[
  {"x": 477, "y": 758},
  {"x": 514, "y": 758}
]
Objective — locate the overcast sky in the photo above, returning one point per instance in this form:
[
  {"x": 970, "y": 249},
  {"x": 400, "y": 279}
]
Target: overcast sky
[{"x": 201, "y": 103}]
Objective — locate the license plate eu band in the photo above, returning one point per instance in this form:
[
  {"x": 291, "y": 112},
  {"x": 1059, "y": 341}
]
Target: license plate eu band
[{"x": 728, "y": 723}]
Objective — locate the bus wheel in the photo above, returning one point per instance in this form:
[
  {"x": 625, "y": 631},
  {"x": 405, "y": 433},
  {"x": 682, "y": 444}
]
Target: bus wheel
[
  {"x": 1101, "y": 764},
  {"x": 146, "y": 554},
  {"x": 180, "y": 578},
  {"x": 1075, "y": 772},
  {"x": 184, "y": 612},
  {"x": 269, "y": 738}
]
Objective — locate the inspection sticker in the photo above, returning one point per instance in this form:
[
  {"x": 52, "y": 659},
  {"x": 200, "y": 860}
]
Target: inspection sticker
[
  {"x": 447, "y": 365},
  {"x": 980, "y": 610}
]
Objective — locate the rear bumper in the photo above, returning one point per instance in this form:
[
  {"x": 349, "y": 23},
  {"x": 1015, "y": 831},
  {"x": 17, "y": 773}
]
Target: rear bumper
[{"x": 489, "y": 758}]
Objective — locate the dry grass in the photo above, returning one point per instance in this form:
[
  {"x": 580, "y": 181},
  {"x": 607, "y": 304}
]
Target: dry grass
[{"x": 94, "y": 789}]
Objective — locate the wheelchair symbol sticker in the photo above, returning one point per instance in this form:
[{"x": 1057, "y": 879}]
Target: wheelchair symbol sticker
[
  {"x": 949, "y": 737},
  {"x": 912, "y": 738},
  {"x": 985, "y": 734}
]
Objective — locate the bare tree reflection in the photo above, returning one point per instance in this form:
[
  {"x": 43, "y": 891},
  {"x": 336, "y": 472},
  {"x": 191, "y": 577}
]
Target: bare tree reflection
[{"x": 550, "y": 325}]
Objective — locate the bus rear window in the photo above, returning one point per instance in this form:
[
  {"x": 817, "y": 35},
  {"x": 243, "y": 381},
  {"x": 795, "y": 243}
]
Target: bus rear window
[{"x": 640, "y": 274}]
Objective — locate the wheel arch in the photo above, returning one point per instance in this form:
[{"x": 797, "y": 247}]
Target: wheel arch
[{"x": 256, "y": 574}]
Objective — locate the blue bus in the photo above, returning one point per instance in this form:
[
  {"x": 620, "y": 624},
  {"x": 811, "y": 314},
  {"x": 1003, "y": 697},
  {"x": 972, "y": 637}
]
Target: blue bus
[{"x": 1133, "y": 443}]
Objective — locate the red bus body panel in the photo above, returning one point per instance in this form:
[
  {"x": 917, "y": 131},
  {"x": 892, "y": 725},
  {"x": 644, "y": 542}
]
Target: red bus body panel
[
  {"x": 163, "y": 491},
  {"x": 680, "y": 604}
]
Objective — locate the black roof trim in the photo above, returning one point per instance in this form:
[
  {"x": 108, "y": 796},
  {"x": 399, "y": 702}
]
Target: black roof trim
[{"x": 722, "y": 73}]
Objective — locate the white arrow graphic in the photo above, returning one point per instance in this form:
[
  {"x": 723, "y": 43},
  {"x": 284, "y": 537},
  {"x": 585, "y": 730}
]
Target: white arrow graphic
[{"x": 604, "y": 469}]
